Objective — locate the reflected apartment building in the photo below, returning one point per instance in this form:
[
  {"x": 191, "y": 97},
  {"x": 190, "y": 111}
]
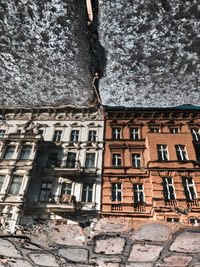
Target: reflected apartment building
[
  {"x": 151, "y": 164},
  {"x": 50, "y": 164}
]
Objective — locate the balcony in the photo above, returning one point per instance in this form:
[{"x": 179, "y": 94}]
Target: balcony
[
  {"x": 66, "y": 203},
  {"x": 69, "y": 170}
]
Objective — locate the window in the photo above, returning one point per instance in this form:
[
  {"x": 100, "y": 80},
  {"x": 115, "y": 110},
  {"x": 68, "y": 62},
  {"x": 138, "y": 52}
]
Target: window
[
  {"x": 168, "y": 189},
  {"x": 116, "y": 192},
  {"x": 15, "y": 185},
  {"x": 195, "y": 134},
  {"x": 134, "y": 133},
  {"x": 25, "y": 153},
  {"x": 154, "y": 130},
  {"x": 89, "y": 162},
  {"x": 9, "y": 152},
  {"x": 74, "y": 136},
  {"x": 116, "y": 133},
  {"x": 92, "y": 136},
  {"x": 181, "y": 152},
  {"x": 41, "y": 132},
  {"x": 174, "y": 130},
  {"x": 66, "y": 189},
  {"x": 195, "y": 221},
  {"x": 116, "y": 160},
  {"x": 189, "y": 187},
  {"x": 57, "y": 135},
  {"x": 162, "y": 152},
  {"x": 52, "y": 160},
  {"x": 45, "y": 192},
  {"x": 173, "y": 220},
  {"x": 87, "y": 193},
  {"x": 2, "y": 133},
  {"x": 136, "y": 160},
  {"x": 71, "y": 160},
  {"x": 2, "y": 179},
  {"x": 138, "y": 193}
]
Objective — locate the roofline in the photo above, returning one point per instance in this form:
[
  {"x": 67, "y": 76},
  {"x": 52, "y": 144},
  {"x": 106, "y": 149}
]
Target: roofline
[{"x": 176, "y": 108}]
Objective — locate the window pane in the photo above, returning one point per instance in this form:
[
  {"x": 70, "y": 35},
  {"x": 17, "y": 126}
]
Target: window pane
[
  {"x": 116, "y": 132},
  {"x": 2, "y": 133},
  {"x": 173, "y": 130},
  {"x": 116, "y": 160},
  {"x": 138, "y": 193},
  {"x": 25, "y": 153},
  {"x": 92, "y": 136},
  {"x": 57, "y": 135},
  {"x": 74, "y": 136},
  {"x": 2, "y": 178},
  {"x": 136, "y": 161},
  {"x": 52, "y": 160},
  {"x": 195, "y": 134},
  {"x": 134, "y": 133},
  {"x": 89, "y": 163},
  {"x": 154, "y": 130},
  {"x": 66, "y": 189},
  {"x": 87, "y": 193},
  {"x": 116, "y": 192},
  {"x": 71, "y": 160},
  {"x": 9, "y": 152},
  {"x": 45, "y": 192},
  {"x": 15, "y": 185}
]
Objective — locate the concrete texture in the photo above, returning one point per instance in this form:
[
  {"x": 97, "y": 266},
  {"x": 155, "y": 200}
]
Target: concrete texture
[
  {"x": 111, "y": 249},
  {"x": 152, "y": 50},
  {"x": 45, "y": 52}
]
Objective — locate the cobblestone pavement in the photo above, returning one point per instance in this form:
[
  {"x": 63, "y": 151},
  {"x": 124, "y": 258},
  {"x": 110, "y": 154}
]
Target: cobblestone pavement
[{"x": 119, "y": 245}]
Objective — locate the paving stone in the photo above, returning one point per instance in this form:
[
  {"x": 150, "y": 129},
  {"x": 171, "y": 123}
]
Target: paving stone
[
  {"x": 68, "y": 235},
  {"x": 144, "y": 253},
  {"x": 187, "y": 242},
  {"x": 7, "y": 249},
  {"x": 110, "y": 245},
  {"x": 108, "y": 262},
  {"x": 43, "y": 259},
  {"x": 176, "y": 261},
  {"x": 20, "y": 263},
  {"x": 139, "y": 264},
  {"x": 74, "y": 254},
  {"x": 105, "y": 225},
  {"x": 153, "y": 232}
]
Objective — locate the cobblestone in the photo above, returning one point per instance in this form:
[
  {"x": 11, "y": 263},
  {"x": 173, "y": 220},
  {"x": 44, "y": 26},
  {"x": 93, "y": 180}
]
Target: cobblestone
[
  {"x": 76, "y": 255},
  {"x": 187, "y": 242},
  {"x": 68, "y": 235},
  {"x": 7, "y": 249},
  {"x": 20, "y": 263},
  {"x": 104, "y": 249},
  {"x": 139, "y": 264},
  {"x": 144, "y": 252},
  {"x": 176, "y": 261},
  {"x": 42, "y": 259},
  {"x": 153, "y": 232},
  {"x": 110, "y": 245}
]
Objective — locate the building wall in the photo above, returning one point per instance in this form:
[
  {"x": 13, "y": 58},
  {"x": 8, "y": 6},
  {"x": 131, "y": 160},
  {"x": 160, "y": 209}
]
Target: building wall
[
  {"x": 36, "y": 127},
  {"x": 152, "y": 172}
]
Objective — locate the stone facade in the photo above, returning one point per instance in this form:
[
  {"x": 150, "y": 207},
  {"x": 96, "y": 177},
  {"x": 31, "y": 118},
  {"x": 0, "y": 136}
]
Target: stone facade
[
  {"x": 50, "y": 167},
  {"x": 151, "y": 164}
]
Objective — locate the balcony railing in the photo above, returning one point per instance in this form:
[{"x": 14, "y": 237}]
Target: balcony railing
[{"x": 116, "y": 207}]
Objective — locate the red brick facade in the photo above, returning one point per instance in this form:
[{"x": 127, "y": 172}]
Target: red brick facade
[{"x": 151, "y": 167}]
